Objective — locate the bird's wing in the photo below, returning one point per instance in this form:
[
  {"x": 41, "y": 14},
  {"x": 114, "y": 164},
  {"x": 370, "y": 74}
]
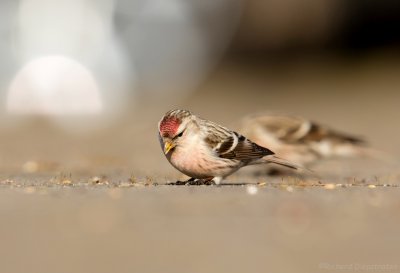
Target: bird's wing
[
  {"x": 231, "y": 145},
  {"x": 319, "y": 132},
  {"x": 244, "y": 150},
  {"x": 299, "y": 130}
]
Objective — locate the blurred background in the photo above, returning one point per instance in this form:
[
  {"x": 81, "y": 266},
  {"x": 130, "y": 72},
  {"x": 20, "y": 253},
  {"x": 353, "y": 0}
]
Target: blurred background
[{"x": 84, "y": 83}]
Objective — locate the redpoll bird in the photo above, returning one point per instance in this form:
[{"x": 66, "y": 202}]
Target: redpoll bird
[
  {"x": 207, "y": 151},
  {"x": 301, "y": 140}
]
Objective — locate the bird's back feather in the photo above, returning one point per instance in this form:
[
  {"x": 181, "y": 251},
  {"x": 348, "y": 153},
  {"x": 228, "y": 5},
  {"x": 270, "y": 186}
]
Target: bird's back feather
[{"x": 299, "y": 130}]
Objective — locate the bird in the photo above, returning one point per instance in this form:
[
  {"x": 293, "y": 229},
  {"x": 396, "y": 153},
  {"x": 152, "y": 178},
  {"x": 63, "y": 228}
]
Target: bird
[
  {"x": 302, "y": 140},
  {"x": 208, "y": 152}
]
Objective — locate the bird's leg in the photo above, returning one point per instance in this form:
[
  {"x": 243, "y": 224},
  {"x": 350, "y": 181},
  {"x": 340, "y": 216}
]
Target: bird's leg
[{"x": 181, "y": 183}]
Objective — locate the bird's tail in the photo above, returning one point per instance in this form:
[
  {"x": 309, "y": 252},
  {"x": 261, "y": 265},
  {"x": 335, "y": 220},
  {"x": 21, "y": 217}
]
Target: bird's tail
[{"x": 283, "y": 162}]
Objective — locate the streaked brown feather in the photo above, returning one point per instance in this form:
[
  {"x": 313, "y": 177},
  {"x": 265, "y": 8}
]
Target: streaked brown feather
[
  {"x": 245, "y": 150},
  {"x": 318, "y": 133},
  {"x": 221, "y": 143},
  {"x": 226, "y": 145},
  {"x": 295, "y": 129}
]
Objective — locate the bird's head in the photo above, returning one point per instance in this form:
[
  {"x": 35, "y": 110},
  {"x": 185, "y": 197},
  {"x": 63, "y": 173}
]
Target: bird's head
[{"x": 172, "y": 129}]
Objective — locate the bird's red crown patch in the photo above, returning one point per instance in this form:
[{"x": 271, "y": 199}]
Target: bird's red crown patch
[{"x": 169, "y": 126}]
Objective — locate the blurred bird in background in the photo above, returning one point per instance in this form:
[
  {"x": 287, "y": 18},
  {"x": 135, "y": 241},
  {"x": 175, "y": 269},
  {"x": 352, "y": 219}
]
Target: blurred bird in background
[{"x": 303, "y": 141}]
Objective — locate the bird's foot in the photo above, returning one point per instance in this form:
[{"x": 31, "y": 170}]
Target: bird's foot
[
  {"x": 193, "y": 182},
  {"x": 200, "y": 182},
  {"x": 209, "y": 182},
  {"x": 182, "y": 183},
  {"x": 177, "y": 183}
]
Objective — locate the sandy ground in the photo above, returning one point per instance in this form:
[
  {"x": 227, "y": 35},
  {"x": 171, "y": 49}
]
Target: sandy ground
[
  {"x": 284, "y": 226},
  {"x": 119, "y": 222},
  {"x": 99, "y": 203}
]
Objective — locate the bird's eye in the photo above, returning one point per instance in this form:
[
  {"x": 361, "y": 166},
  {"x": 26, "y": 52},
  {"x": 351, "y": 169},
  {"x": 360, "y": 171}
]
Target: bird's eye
[{"x": 179, "y": 135}]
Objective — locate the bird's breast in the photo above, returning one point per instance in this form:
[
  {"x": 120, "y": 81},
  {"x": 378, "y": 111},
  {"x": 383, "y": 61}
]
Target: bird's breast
[
  {"x": 191, "y": 161},
  {"x": 200, "y": 162}
]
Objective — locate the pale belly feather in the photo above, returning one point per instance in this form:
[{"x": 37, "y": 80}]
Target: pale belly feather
[{"x": 199, "y": 162}]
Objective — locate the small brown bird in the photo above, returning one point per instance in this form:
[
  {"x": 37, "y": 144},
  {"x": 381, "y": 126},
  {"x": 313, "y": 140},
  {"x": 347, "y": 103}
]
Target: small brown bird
[
  {"x": 303, "y": 141},
  {"x": 207, "y": 151}
]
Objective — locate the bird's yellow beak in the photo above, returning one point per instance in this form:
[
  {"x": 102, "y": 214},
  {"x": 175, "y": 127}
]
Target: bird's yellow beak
[{"x": 168, "y": 145}]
